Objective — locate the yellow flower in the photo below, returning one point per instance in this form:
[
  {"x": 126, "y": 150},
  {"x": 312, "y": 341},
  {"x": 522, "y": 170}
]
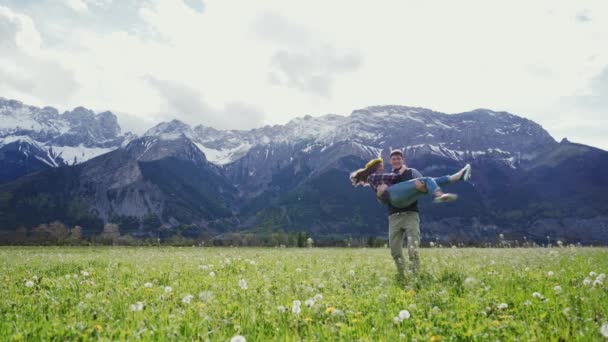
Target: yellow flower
[
  {"x": 98, "y": 328},
  {"x": 436, "y": 338},
  {"x": 411, "y": 293},
  {"x": 330, "y": 309},
  {"x": 355, "y": 320}
]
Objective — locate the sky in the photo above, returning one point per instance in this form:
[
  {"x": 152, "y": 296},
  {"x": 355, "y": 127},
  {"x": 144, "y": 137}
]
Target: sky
[{"x": 240, "y": 64}]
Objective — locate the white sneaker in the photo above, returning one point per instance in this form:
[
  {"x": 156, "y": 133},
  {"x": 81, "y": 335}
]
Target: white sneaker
[
  {"x": 467, "y": 173},
  {"x": 445, "y": 198}
]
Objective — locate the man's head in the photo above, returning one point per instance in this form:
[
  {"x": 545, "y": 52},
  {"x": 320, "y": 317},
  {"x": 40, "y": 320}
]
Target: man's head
[{"x": 397, "y": 160}]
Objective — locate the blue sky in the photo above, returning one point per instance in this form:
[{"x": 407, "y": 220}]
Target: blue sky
[{"x": 242, "y": 64}]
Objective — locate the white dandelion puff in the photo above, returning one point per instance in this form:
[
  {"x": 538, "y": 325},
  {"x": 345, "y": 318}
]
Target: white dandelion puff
[
  {"x": 587, "y": 282},
  {"x": 538, "y": 295},
  {"x": 295, "y": 307},
  {"x": 212, "y": 274},
  {"x": 281, "y": 308},
  {"x": 351, "y": 273},
  {"x": 299, "y": 270},
  {"x": 187, "y": 299},
  {"x": 138, "y": 306},
  {"x": 592, "y": 274},
  {"x": 205, "y": 296},
  {"x": 502, "y": 306},
  {"x": 168, "y": 289},
  {"x": 243, "y": 284},
  {"x": 318, "y": 297},
  {"x": 404, "y": 314},
  {"x": 29, "y": 283},
  {"x": 550, "y": 273},
  {"x": 396, "y": 320},
  {"x": 309, "y": 303},
  {"x": 604, "y": 330},
  {"x": 557, "y": 289},
  {"x": 238, "y": 338},
  {"x": 84, "y": 273},
  {"x": 148, "y": 285}
]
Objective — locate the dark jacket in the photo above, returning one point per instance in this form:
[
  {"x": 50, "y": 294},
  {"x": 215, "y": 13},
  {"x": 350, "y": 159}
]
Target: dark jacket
[{"x": 407, "y": 175}]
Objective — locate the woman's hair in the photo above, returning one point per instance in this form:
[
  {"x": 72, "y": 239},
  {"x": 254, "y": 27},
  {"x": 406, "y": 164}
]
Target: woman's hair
[{"x": 360, "y": 176}]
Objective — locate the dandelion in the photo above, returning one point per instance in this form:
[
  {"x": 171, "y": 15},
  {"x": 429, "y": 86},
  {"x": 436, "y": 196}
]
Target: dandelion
[
  {"x": 604, "y": 330},
  {"x": 404, "y": 314},
  {"x": 138, "y": 306},
  {"x": 557, "y": 289},
  {"x": 309, "y": 303},
  {"x": 168, "y": 289},
  {"x": 396, "y": 320},
  {"x": 295, "y": 307},
  {"x": 587, "y": 282},
  {"x": 88, "y": 296},
  {"x": 597, "y": 282},
  {"x": 601, "y": 277},
  {"x": 187, "y": 299},
  {"x": 538, "y": 295},
  {"x": 84, "y": 273},
  {"x": 566, "y": 311},
  {"x": 35, "y": 277},
  {"x": 148, "y": 285},
  {"x": 281, "y": 308},
  {"x": 592, "y": 274},
  {"x": 502, "y": 306},
  {"x": 29, "y": 283},
  {"x": 299, "y": 270},
  {"x": 550, "y": 273},
  {"x": 351, "y": 273},
  {"x": 205, "y": 296},
  {"x": 212, "y": 274},
  {"x": 318, "y": 297},
  {"x": 243, "y": 284},
  {"x": 238, "y": 338},
  {"x": 527, "y": 303}
]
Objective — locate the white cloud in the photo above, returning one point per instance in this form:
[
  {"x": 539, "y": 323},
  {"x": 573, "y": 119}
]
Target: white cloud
[
  {"x": 284, "y": 58},
  {"x": 77, "y": 5}
]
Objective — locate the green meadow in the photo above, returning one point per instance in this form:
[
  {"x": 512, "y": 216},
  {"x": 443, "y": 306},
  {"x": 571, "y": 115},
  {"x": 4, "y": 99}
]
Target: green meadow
[{"x": 293, "y": 294}]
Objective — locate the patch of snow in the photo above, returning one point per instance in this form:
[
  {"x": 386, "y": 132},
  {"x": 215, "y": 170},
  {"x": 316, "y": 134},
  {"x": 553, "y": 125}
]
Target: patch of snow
[
  {"x": 78, "y": 154},
  {"x": 225, "y": 156}
]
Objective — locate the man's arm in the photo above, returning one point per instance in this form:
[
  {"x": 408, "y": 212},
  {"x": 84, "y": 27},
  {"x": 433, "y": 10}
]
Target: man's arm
[{"x": 416, "y": 173}]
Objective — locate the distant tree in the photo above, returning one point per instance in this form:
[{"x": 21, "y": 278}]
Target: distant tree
[
  {"x": 52, "y": 233},
  {"x": 110, "y": 233},
  {"x": 75, "y": 234},
  {"x": 151, "y": 223}
]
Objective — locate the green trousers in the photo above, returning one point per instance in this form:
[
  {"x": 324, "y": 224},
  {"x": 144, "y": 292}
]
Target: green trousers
[{"x": 401, "y": 226}]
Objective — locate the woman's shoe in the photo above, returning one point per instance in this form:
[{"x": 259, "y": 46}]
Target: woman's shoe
[
  {"x": 466, "y": 173},
  {"x": 444, "y": 198}
]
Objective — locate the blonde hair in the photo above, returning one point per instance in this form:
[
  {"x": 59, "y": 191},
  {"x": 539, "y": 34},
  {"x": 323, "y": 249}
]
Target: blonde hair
[{"x": 360, "y": 176}]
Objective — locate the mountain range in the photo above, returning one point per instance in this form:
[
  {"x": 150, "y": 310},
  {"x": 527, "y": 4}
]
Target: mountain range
[{"x": 79, "y": 168}]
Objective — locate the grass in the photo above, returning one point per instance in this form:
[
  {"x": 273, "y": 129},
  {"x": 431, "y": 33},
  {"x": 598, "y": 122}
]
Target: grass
[{"x": 83, "y": 293}]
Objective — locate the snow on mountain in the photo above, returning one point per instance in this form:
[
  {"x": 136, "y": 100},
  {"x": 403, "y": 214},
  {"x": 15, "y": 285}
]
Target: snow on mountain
[
  {"x": 462, "y": 136},
  {"x": 71, "y": 137}
]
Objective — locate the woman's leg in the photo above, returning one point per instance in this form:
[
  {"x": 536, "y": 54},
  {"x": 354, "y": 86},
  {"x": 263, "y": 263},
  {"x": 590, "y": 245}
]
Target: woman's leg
[{"x": 403, "y": 194}]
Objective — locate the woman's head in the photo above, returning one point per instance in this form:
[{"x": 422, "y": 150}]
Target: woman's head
[{"x": 360, "y": 176}]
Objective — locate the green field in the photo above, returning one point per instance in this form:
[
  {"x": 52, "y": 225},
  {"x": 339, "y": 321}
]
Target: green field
[{"x": 80, "y": 293}]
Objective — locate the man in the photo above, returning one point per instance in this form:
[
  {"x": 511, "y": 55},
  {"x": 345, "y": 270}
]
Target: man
[{"x": 404, "y": 222}]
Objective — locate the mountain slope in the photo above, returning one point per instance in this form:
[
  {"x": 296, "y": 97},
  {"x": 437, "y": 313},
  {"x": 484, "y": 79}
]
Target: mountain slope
[{"x": 168, "y": 179}]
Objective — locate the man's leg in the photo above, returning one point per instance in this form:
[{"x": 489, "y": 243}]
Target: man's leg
[
  {"x": 412, "y": 231},
  {"x": 396, "y": 233}
]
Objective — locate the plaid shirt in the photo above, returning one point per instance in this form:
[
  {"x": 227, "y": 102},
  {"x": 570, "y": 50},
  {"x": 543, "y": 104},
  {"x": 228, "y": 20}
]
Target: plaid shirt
[{"x": 375, "y": 179}]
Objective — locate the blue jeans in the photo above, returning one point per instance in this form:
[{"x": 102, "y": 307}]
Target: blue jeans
[{"x": 404, "y": 194}]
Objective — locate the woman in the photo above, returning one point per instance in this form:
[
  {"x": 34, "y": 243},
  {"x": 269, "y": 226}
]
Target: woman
[{"x": 402, "y": 194}]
